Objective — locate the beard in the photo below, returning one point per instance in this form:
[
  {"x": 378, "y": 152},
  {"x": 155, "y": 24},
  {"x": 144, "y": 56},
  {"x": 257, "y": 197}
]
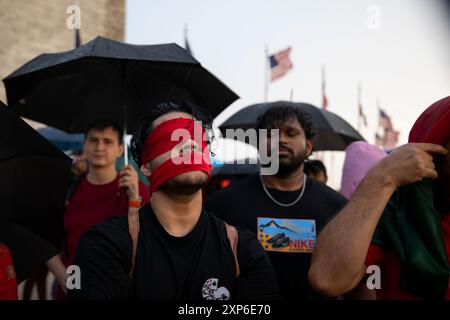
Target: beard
[
  {"x": 289, "y": 163},
  {"x": 186, "y": 183}
]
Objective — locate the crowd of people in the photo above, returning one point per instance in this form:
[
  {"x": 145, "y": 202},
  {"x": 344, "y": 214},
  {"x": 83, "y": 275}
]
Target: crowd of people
[{"x": 266, "y": 237}]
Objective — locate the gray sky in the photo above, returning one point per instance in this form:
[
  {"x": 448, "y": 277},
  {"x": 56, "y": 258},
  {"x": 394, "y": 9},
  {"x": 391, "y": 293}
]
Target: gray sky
[{"x": 405, "y": 62}]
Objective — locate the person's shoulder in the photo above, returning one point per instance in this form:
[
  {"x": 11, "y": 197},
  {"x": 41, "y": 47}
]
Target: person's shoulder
[
  {"x": 213, "y": 219},
  {"x": 113, "y": 230},
  {"x": 112, "y": 224},
  {"x": 107, "y": 240},
  {"x": 106, "y": 246}
]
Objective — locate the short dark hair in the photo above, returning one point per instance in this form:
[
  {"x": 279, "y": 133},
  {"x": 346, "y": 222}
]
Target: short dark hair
[
  {"x": 101, "y": 125},
  {"x": 145, "y": 126},
  {"x": 314, "y": 166},
  {"x": 274, "y": 117}
]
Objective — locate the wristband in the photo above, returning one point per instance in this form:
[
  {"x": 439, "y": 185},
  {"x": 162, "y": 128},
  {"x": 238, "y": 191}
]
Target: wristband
[{"x": 134, "y": 203}]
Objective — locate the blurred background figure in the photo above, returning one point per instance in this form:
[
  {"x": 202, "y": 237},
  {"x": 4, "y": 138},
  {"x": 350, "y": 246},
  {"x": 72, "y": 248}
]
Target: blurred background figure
[
  {"x": 316, "y": 169},
  {"x": 360, "y": 157},
  {"x": 8, "y": 281}
]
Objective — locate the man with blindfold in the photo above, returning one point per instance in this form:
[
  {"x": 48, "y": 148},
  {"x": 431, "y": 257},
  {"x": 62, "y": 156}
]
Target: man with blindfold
[{"x": 171, "y": 248}]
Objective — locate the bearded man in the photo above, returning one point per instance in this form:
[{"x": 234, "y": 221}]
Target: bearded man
[{"x": 285, "y": 210}]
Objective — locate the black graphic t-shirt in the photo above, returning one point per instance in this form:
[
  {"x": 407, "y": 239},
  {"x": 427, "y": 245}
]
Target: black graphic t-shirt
[
  {"x": 288, "y": 234},
  {"x": 198, "y": 266}
]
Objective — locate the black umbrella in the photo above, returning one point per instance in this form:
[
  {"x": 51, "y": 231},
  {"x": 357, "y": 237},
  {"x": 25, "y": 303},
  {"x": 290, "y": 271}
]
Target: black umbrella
[
  {"x": 105, "y": 79},
  {"x": 34, "y": 179},
  {"x": 63, "y": 140},
  {"x": 333, "y": 132},
  {"x": 235, "y": 169}
]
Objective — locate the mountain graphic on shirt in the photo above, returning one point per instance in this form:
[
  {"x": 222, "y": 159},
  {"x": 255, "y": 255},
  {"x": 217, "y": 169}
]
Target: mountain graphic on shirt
[{"x": 272, "y": 223}]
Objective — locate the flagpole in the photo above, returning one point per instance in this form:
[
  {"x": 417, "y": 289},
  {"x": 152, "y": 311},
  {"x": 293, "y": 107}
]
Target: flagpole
[
  {"x": 324, "y": 96},
  {"x": 383, "y": 137},
  {"x": 359, "y": 106},
  {"x": 124, "y": 101},
  {"x": 76, "y": 31},
  {"x": 266, "y": 74}
]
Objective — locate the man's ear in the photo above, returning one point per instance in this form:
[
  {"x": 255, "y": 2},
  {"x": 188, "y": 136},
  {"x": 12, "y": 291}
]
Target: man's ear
[
  {"x": 121, "y": 149},
  {"x": 309, "y": 147},
  {"x": 145, "y": 169}
]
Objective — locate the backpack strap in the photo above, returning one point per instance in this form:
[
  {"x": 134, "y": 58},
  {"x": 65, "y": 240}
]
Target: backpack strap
[
  {"x": 233, "y": 237},
  {"x": 133, "y": 228}
]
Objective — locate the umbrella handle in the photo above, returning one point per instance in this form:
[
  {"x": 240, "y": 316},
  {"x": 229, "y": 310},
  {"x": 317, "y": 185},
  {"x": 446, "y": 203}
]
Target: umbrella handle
[
  {"x": 125, "y": 150},
  {"x": 124, "y": 97}
]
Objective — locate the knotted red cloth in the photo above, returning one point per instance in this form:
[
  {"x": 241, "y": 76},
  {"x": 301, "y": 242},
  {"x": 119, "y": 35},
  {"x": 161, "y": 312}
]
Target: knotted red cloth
[{"x": 165, "y": 137}]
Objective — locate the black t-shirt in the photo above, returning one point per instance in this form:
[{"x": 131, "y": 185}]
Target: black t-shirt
[
  {"x": 287, "y": 233},
  {"x": 197, "y": 266}
]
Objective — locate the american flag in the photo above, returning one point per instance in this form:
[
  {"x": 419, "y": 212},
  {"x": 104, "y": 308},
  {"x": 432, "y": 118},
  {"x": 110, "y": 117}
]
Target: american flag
[
  {"x": 391, "y": 138},
  {"x": 280, "y": 64},
  {"x": 384, "y": 120}
]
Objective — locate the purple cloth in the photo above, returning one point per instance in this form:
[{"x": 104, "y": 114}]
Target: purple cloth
[{"x": 360, "y": 157}]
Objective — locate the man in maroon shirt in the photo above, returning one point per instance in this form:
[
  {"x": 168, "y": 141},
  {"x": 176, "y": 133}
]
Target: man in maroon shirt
[{"x": 102, "y": 192}]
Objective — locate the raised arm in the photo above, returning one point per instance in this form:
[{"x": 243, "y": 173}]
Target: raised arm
[{"x": 338, "y": 260}]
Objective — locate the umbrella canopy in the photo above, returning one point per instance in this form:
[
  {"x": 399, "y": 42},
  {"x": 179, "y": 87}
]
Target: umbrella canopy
[
  {"x": 105, "y": 79},
  {"x": 333, "y": 132},
  {"x": 234, "y": 169},
  {"x": 35, "y": 176},
  {"x": 63, "y": 140}
]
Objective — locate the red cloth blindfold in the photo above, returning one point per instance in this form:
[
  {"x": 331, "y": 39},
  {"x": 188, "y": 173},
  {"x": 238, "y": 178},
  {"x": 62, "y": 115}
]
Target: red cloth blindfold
[{"x": 164, "y": 138}]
